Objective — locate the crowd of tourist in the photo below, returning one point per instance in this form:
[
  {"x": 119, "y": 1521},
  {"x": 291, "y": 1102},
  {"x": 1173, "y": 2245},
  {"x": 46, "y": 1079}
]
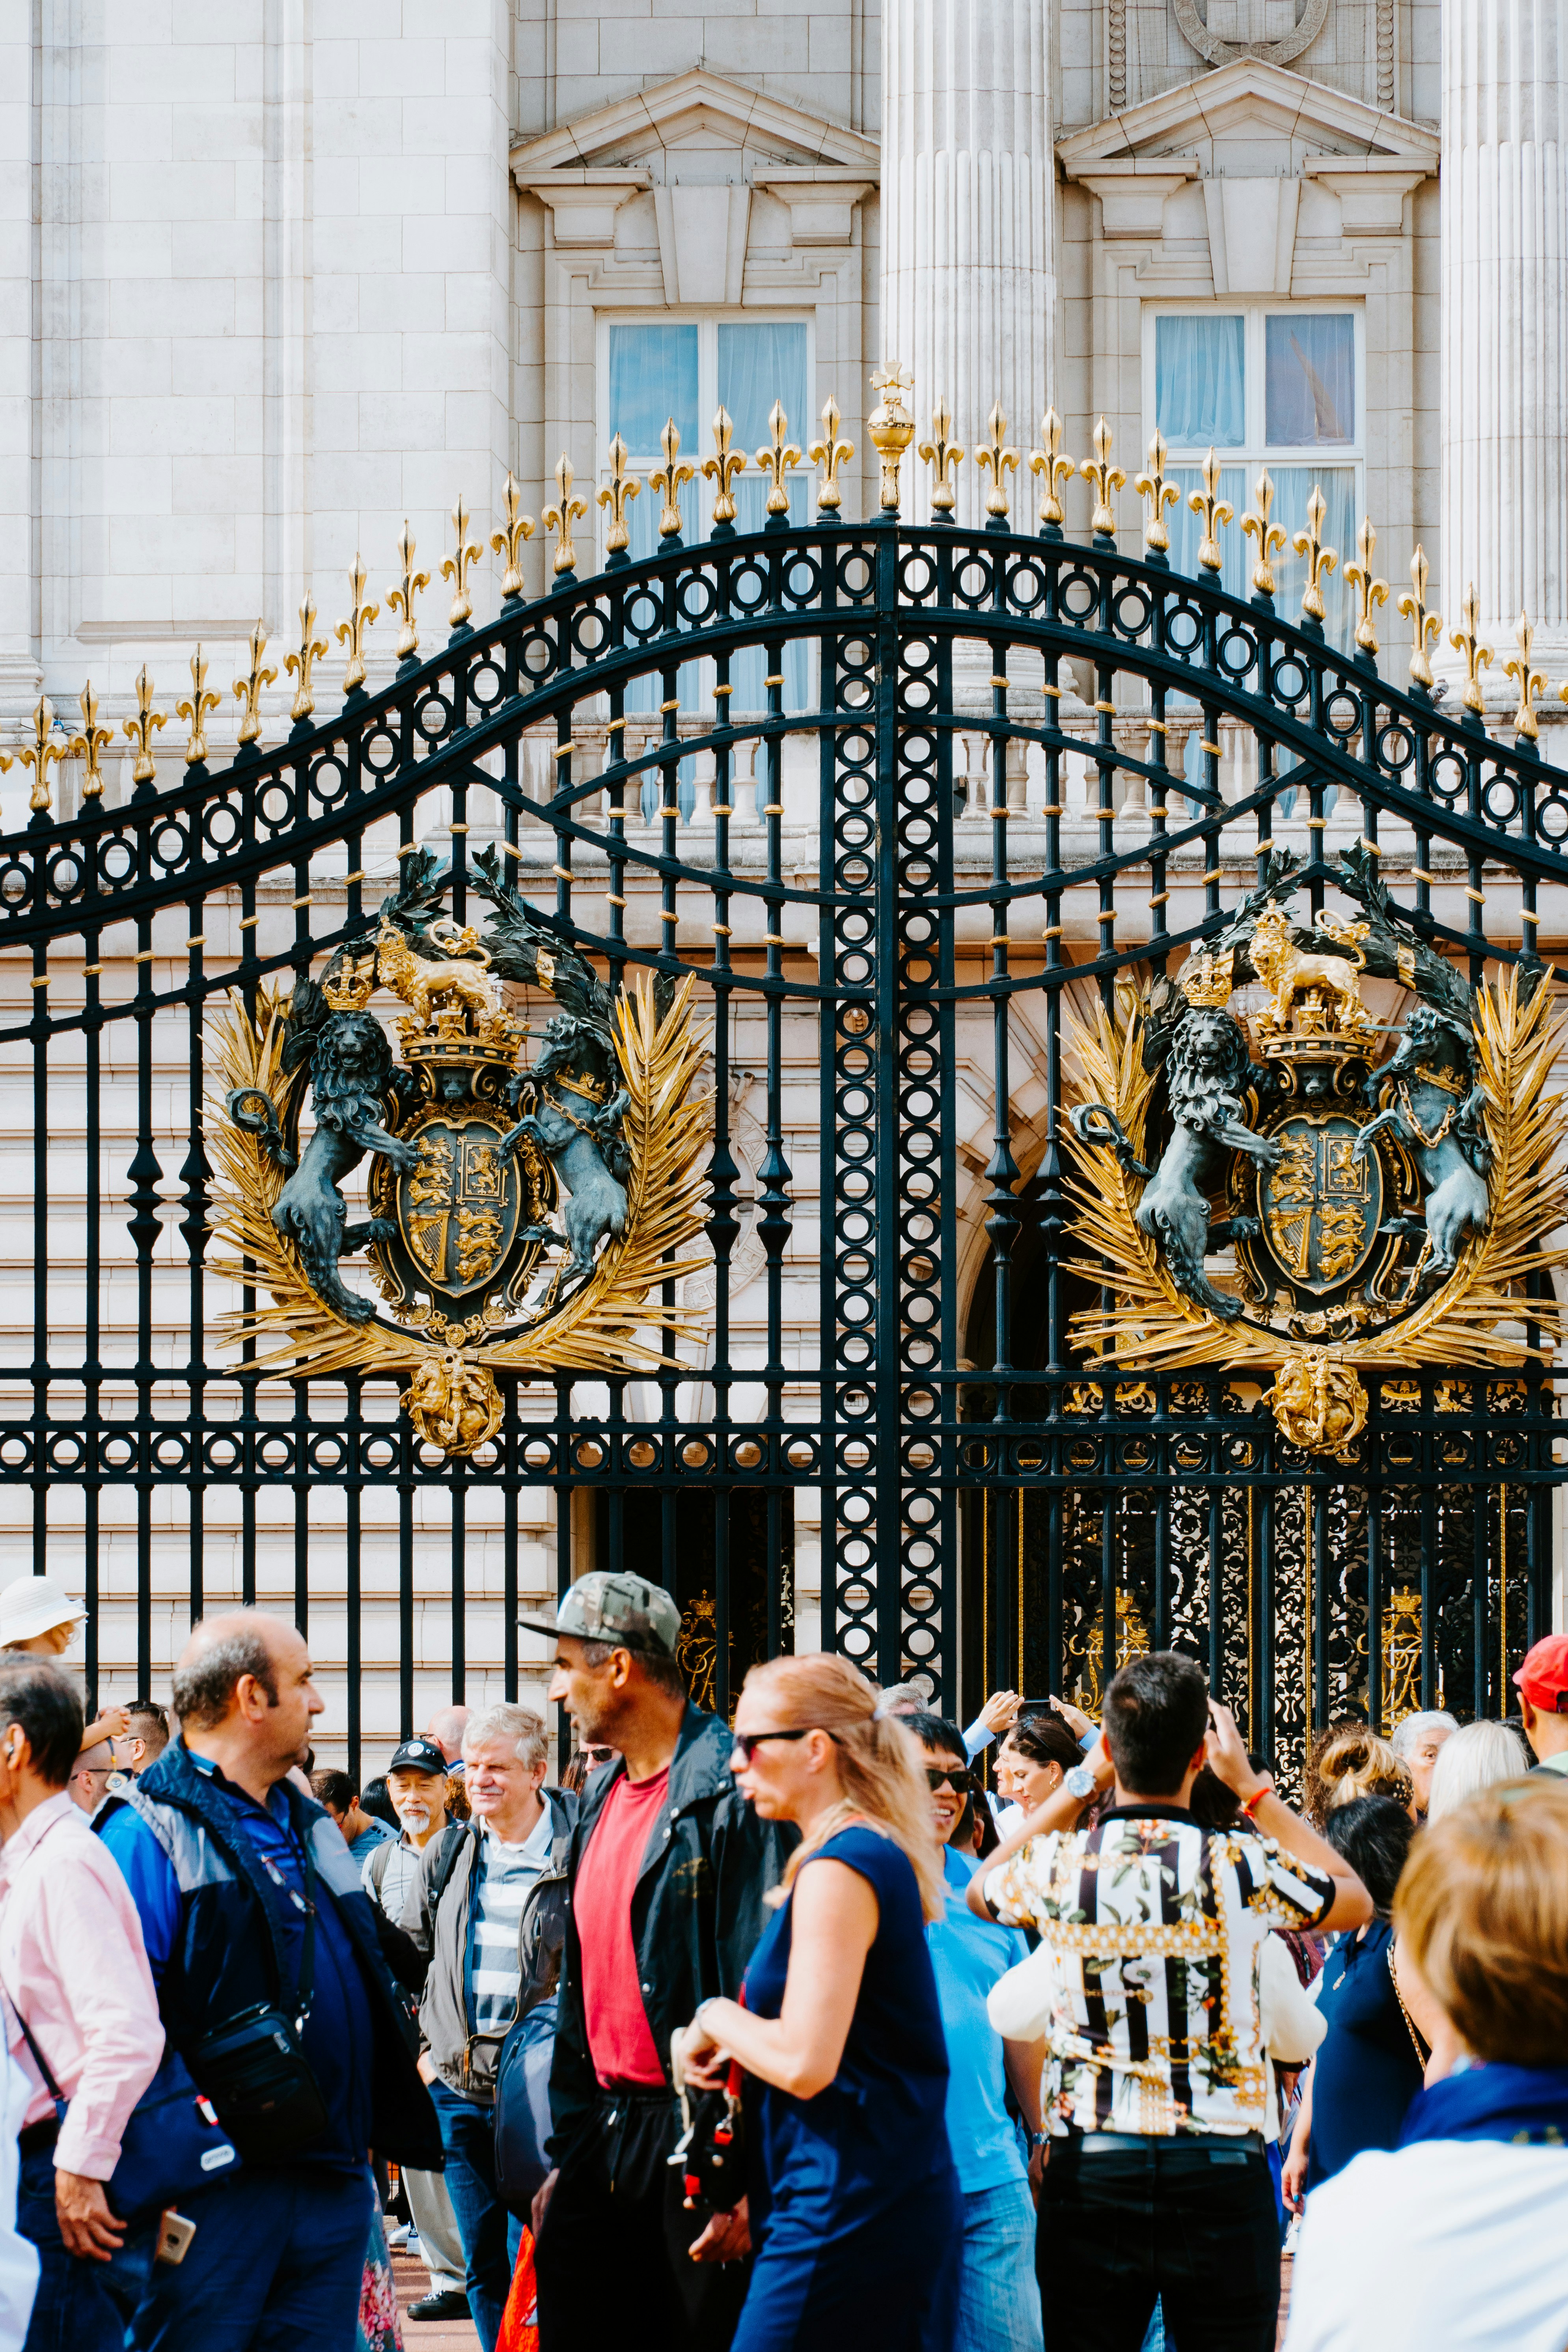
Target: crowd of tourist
[{"x": 792, "y": 2036}]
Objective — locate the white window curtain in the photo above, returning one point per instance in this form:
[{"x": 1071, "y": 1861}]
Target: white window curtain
[
  {"x": 1200, "y": 381},
  {"x": 1186, "y": 529},
  {"x": 757, "y": 365},
  {"x": 1310, "y": 379}
]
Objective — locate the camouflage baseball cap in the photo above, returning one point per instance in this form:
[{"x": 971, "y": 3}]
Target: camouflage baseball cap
[{"x": 626, "y": 1610}]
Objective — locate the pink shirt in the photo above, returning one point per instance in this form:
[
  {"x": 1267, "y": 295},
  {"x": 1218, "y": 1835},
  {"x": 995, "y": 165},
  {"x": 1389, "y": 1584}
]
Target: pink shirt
[{"x": 71, "y": 1953}]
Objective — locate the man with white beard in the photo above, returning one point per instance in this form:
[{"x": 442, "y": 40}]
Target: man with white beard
[{"x": 417, "y": 1786}]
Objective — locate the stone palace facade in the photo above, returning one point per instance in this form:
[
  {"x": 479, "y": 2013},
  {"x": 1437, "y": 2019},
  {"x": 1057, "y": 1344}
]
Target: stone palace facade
[{"x": 279, "y": 274}]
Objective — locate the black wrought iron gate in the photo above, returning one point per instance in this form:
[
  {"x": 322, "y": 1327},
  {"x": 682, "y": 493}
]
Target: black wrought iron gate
[{"x": 908, "y": 804}]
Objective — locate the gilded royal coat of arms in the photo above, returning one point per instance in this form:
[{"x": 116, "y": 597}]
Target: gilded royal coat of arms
[
  {"x": 1382, "y": 1192},
  {"x": 521, "y": 1211}
]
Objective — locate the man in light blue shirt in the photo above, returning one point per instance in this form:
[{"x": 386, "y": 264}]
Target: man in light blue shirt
[{"x": 999, "y": 2301}]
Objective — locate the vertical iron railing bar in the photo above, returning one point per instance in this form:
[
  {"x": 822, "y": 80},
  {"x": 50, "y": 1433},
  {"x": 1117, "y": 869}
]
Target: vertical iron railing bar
[
  {"x": 889, "y": 1252},
  {"x": 39, "y": 1027},
  {"x": 949, "y": 1535},
  {"x": 1316, "y": 819},
  {"x": 1373, "y": 1443},
  {"x": 458, "y": 1534},
  {"x": 144, "y": 1226},
  {"x": 304, "y": 950},
  {"x": 196, "y": 1174},
  {"x": 722, "y": 1225},
  {"x": 1105, "y": 769},
  {"x": 831, "y": 1019},
  {"x": 512, "y": 1470},
  {"x": 776, "y": 1224},
  {"x": 1317, "y": 1502},
  {"x": 1430, "y": 1470},
  {"x": 407, "y": 1443},
  {"x": 93, "y": 1351},
  {"x": 1216, "y": 1468},
  {"x": 564, "y": 1531},
  {"x": 353, "y": 1567},
  {"x": 1264, "y": 1739},
  {"x": 249, "y": 1381},
  {"x": 615, "y": 1495}
]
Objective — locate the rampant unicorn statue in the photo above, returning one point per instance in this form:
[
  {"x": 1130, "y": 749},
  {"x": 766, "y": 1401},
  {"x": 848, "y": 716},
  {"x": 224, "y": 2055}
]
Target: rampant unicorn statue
[{"x": 1436, "y": 1111}]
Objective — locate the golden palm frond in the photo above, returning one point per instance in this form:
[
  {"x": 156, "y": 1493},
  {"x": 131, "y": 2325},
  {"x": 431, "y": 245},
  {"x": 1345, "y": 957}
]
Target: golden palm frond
[{"x": 596, "y": 1328}]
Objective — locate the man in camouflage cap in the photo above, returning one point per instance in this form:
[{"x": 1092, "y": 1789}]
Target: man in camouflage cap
[{"x": 665, "y": 1822}]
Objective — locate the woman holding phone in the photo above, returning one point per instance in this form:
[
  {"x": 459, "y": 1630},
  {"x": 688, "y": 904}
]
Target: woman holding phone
[{"x": 854, "y": 2201}]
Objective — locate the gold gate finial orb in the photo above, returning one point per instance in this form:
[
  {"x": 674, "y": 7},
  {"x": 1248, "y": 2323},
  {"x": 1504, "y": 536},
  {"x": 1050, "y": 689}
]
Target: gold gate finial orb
[{"x": 891, "y": 427}]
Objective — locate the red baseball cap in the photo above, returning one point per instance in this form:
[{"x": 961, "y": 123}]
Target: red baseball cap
[{"x": 1543, "y": 1676}]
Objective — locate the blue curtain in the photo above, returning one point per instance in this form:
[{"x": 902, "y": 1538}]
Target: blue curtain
[
  {"x": 653, "y": 376},
  {"x": 1309, "y": 376},
  {"x": 1200, "y": 380},
  {"x": 757, "y": 365},
  {"x": 1187, "y": 531}
]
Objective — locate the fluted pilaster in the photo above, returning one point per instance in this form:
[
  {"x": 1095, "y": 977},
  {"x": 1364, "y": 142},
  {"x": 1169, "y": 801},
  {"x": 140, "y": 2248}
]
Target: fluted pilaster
[
  {"x": 969, "y": 283},
  {"x": 1505, "y": 316}
]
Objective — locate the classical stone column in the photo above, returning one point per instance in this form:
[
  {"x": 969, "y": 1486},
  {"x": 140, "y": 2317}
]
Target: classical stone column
[
  {"x": 969, "y": 284},
  {"x": 1504, "y": 247}
]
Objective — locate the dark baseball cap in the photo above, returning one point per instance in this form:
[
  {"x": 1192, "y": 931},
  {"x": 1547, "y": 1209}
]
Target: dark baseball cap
[
  {"x": 418, "y": 1756},
  {"x": 622, "y": 1608}
]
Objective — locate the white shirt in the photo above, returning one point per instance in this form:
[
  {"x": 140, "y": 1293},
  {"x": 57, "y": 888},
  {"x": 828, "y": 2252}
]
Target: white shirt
[{"x": 1450, "y": 2246}]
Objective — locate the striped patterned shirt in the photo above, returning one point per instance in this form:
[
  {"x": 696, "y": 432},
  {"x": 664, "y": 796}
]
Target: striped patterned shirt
[
  {"x": 509, "y": 1876},
  {"x": 1155, "y": 1928}
]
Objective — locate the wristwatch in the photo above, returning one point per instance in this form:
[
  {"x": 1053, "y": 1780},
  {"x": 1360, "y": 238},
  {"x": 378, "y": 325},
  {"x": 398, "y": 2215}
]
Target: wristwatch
[{"x": 1079, "y": 1782}]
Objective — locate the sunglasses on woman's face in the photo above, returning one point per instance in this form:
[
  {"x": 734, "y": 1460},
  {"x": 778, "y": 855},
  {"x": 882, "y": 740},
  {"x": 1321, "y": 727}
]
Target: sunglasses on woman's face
[
  {"x": 948, "y": 1776},
  {"x": 745, "y": 1741}
]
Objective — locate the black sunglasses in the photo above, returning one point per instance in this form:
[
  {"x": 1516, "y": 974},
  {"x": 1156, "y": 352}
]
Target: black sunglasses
[
  {"x": 948, "y": 1776},
  {"x": 745, "y": 1741}
]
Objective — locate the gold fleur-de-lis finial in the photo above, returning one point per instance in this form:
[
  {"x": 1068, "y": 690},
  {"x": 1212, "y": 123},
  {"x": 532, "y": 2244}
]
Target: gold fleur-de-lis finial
[
  {"x": 247, "y": 690},
  {"x": 299, "y": 664},
  {"x": 38, "y": 754},
  {"x": 195, "y": 711},
  {"x": 140, "y": 730},
  {"x": 401, "y": 598},
  {"x": 891, "y": 427},
  {"x": 721, "y": 468},
  {"x": 670, "y": 478},
  {"x": 455, "y": 568},
  {"x": 1055, "y": 468},
  {"x": 1160, "y": 493},
  {"x": 1466, "y": 641},
  {"x": 561, "y": 517},
  {"x": 1215, "y": 511},
  {"x": 1425, "y": 626},
  {"x": 1529, "y": 682},
  {"x": 620, "y": 487},
  {"x": 943, "y": 455},
  {"x": 90, "y": 743},
  {"x": 1369, "y": 589},
  {"x": 829, "y": 453},
  {"x": 993, "y": 457},
  {"x": 778, "y": 461},
  {"x": 1269, "y": 537},
  {"x": 510, "y": 542},
  {"x": 1106, "y": 478},
  {"x": 351, "y": 632},
  {"x": 1319, "y": 559}
]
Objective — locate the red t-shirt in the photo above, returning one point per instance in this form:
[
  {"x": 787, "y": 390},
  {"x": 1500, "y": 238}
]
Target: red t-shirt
[{"x": 619, "y": 2041}]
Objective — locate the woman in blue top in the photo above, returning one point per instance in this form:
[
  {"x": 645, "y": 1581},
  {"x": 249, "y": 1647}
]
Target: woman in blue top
[{"x": 854, "y": 2203}]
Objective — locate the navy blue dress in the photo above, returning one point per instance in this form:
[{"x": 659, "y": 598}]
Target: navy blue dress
[
  {"x": 854, "y": 2201},
  {"x": 1366, "y": 2072}
]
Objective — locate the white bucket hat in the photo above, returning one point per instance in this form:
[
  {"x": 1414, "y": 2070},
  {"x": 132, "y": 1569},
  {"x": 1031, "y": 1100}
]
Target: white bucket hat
[{"x": 34, "y": 1605}]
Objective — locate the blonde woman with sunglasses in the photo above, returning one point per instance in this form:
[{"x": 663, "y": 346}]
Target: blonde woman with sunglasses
[{"x": 854, "y": 2202}]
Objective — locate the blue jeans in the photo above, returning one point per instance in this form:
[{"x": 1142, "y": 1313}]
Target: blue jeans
[
  {"x": 276, "y": 2262},
  {"x": 489, "y": 2232},
  {"x": 71, "y": 2312},
  {"x": 998, "y": 2295}
]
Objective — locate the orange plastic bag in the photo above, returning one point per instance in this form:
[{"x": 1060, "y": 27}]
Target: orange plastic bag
[{"x": 520, "y": 2320}]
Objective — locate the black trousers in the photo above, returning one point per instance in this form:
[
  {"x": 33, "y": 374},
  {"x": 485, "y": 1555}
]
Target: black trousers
[
  {"x": 1192, "y": 2221},
  {"x": 612, "y": 2263}
]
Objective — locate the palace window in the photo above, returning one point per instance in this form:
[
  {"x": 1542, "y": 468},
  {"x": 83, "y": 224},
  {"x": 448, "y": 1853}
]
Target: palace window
[
  {"x": 1261, "y": 386},
  {"x": 654, "y": 369}
]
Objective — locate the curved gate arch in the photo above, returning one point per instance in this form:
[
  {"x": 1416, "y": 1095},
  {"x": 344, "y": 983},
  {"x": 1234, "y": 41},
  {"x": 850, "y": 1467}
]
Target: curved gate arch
[{"x": 923, "y": 819}]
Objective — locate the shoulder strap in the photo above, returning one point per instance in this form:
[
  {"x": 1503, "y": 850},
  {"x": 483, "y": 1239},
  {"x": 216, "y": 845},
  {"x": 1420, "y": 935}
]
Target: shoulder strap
[
  {"x": 381, "y": 1862},
  {"x": 451, "y": 1850},
  {"x": 39, "y": 2061}
]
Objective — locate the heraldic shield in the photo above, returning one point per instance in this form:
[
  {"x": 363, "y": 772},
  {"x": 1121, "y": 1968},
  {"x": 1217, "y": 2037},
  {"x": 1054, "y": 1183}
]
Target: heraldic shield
[
  {"x": 1268, "y": 1183},
  {"x": 522, "y": 1212}
]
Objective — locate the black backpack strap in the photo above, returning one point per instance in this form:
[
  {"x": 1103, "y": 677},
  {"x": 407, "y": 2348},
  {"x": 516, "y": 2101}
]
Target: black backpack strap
[{"x": 449, "y": 1851}]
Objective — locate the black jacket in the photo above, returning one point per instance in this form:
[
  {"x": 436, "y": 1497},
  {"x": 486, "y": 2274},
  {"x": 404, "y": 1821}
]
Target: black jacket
[
  {"x": 436, "y": 1919},
  {"x": 230, "y": 1955},
  {"x": 697, "y": 1910}
]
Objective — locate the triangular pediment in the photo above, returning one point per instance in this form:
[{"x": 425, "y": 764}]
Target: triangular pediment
[
  {"x": 656, "y": 131},
  {"x": 1241, "y": 107}
]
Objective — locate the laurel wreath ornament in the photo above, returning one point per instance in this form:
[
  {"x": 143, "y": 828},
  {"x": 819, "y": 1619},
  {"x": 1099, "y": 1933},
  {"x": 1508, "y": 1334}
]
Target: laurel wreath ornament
[
  {"x": 608, "y": 1325},
  {"x": 1152, "y": 1327}
]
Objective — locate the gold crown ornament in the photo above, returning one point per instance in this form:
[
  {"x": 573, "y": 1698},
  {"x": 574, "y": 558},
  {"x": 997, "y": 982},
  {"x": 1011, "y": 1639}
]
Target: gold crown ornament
[
  {"x": 354, "y": 986},
  {"x": 1207, "y": 978}
]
